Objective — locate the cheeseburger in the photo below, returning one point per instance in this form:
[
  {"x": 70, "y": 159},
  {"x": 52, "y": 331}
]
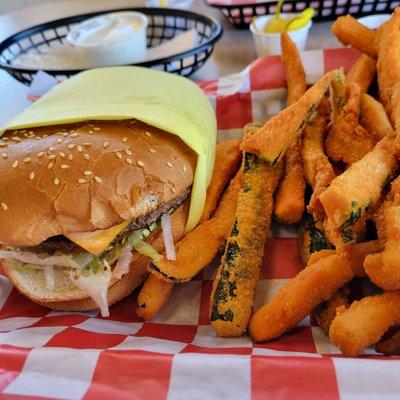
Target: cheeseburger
[{"x": 85, "y": 204}]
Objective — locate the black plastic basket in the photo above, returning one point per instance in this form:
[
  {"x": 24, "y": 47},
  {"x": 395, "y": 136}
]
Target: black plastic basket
[
  {"x": 163, "y": 24},
  {"x": 240, "y": 15}
]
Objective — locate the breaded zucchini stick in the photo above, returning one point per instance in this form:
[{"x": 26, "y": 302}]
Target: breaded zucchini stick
[
  {"x": 289, "y": 200},
  {"x": 362, "y": 72},
  {"x": 238, "y": 274},
  {"x": 358, "y": 189},
  {"x": 388, "y": 64},
  {"x": 373, "y": 118},
  {"x": 347, "y": 141},
  {"x": 351, "y": 32},
  {"x": 365, "y": 322},
  {"x": 271, "y": 141},
  {"x": 227, "y": 161},
  {"x": 199, "y": 247}
]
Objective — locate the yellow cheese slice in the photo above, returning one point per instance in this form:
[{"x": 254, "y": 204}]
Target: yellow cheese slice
[{"x": 96, "y": 242}]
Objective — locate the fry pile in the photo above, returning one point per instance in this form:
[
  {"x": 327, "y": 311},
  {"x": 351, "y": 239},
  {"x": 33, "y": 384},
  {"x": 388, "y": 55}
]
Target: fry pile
[{"x": 330, "y": 163}]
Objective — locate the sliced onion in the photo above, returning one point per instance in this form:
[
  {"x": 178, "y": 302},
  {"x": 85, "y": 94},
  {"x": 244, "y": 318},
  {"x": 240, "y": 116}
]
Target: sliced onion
[
  {"x": 96, "y": 287},
  {"x": 50, "y": 277},
  {"x": 123, "y": 263},
  {"x": 168, "y": 237},
  {"x": 33, "y": 258}
]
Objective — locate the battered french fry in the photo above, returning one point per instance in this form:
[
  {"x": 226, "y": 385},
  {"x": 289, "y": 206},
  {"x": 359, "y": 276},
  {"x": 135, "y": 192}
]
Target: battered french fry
[
  {"x": 318, "y": 282},
  {"x": 233, "y": 288},
  {"x": 153, "y": 296},
  {"x": 365, "y": 322},
  {"x": 271, "y": 141},
  {"x": 390, "y": 346},
  {"x": 347, "y": 141},
  {"x": 227, "y": 160},
  {"x": 373, "y": 118},
  {"x": 388, "y": 64},
  {"x": 199, "y": 247},
  {"x": 362, "y": 72},
  {"x": 350, "y": 194},
  {"x": 289, "y": 200},
  {"x": 351, "y": 32}
]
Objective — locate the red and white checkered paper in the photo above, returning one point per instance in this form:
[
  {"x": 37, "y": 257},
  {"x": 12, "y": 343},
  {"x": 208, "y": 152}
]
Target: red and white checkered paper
[{"x": 48, "y": 354}]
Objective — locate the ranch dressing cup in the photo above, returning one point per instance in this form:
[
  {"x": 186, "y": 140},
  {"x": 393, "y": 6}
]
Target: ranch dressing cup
[{"x": 111, "y": 39}]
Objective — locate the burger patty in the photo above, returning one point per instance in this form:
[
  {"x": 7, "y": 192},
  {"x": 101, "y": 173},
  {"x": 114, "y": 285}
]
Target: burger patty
[{"x": 63, "y": 244}]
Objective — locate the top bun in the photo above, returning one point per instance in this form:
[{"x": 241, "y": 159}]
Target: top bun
[{"x": 86, "y": 176}]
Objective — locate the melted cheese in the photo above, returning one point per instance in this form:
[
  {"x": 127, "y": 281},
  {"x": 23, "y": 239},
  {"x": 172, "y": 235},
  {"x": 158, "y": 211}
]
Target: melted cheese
[{"x": 96, "y": 242}]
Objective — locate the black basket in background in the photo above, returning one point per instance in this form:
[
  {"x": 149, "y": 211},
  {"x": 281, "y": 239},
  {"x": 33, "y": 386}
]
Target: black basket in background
[
  {"x": 240, "y": 15},
  {"x": 163, "y": 24}
]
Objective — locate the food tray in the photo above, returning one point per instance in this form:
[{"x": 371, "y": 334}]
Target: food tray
[
  {"x": 163, "y": 24},
  {"x": 240, "y": 12}
]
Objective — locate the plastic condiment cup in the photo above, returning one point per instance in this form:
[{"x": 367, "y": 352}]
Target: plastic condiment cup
[
  {"x": 374, "y": 21},
  {"x": 267, "y": 44},
  {"x": 111, "y": 39}
]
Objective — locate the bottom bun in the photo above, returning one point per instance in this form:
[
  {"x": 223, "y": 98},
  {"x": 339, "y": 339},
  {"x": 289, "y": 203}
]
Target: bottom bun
[{"x": 67, "y": 297}]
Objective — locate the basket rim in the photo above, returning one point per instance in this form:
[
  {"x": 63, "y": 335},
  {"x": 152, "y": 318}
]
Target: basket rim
[{"x": 216, "y": 26}]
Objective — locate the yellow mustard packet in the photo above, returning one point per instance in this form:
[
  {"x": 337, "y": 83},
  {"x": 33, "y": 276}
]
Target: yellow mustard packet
[{"x": 166, "y": 101}]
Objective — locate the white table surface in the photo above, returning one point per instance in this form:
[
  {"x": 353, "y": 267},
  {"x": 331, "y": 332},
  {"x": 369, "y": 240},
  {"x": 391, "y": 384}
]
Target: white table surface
[{"x": 232, "y": 53}]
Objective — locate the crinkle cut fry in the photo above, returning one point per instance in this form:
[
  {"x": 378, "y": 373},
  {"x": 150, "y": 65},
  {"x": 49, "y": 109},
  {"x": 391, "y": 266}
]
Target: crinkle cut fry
[
  {"x": 365, "y": 322},
  {"x": 289, "y": 200},
  {"x": 351, "y": 32},
  {"x": 318, "y": 282},
  {"x": 390, "y": 346},
  {"x": 271, "y": 141},
  {"x": 356, "y": 190},
  {"x": 227, "y": 161},
  {"x": 362, "y": 72},
  {"x": 373, "y": 117},
  {"x": 199, "y": 247},
  {"x": 347, "y": 141},
  {"x": 388, "y": 64},
  {"x": 238, "y": 274}
]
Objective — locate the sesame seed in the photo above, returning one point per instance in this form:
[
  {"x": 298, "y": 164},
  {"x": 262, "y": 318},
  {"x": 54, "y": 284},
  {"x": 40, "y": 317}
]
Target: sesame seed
[
  {"x": 3, "y": 145},
  {"x": 71, "y": 146},
  {"x": 140, "y": 163},
  {"x": 118, "y": 155},
  {"x": 173, "y": 190},
  {"x": 97, "y": 179},
  {"x": 65, "y": 134},
  {"x": 148, "y": 133},
  {"x": 169, "y": 164},
  {"x": 128, "y": 152},
  {"x": 27, "y": 159},
  {"x": 4, "y": 155},
  {"x": 30, "y": 133},
  {"x": 129, "y": 161},
  {"x": 75, "y": 134},
  {"x": 40, "y": 154},
  {"x": 4, "y": 206},
  {"x": 151, "y": 150},
  {"x": 124, "y": 139},
  {"x": 86, "y": 144},
  {"x": 5, "y": 139},
  {"x": 81, "y": 181},
  {"x": 51, "y": 148},
  {"x": 51, "y": 156},
  {"x": 106, "y": 144},
  {"x": 64, "y": 166},
  {"x": 96, "y": 128},
  {"x": 56, "y": 181},
  {"x": 87, "y": 173},
  {"x": 90, "y": 131},
  {"x": 50, "y": 165},
  {"x": 32, "y": 176},
  {"x": 184, "y": 168},
  {"x": 86, "y": 156},
  {"x": 16, "y": 139},
  {"x": 80, "y": 149},
  {"x": 61, "y": 154},
  {"x": 45, "y": 135},
  {"x": 70, "y": 157},
  {"x": 15, "y": 164},
  {"x": 59, "y": 140},
  {"x": 36, "y": 137},
  {"x": 59, "y": 133}
]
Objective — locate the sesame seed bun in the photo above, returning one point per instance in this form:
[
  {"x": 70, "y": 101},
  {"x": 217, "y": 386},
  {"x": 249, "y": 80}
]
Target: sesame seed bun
[
  {"x": 86, "y": 176},
  {"x": 67, "y": 297}
]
